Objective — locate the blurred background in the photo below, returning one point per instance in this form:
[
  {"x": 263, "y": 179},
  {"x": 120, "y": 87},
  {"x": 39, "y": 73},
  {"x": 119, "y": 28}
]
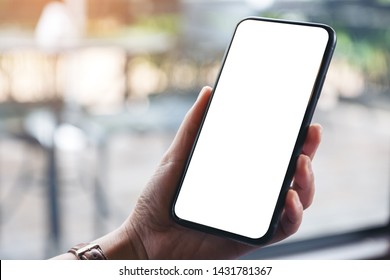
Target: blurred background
[{"x": 93, "y": 91}]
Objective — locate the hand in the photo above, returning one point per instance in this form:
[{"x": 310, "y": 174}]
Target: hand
[{"x": 152, "y": 234}]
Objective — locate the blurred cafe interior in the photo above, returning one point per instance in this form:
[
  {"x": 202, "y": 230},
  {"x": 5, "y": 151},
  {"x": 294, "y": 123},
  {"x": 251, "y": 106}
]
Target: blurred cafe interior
[{"x": 93, "y": 91}]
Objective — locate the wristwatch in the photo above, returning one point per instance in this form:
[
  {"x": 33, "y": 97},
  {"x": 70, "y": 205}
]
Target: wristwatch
[{"x": 88, "y": 251}]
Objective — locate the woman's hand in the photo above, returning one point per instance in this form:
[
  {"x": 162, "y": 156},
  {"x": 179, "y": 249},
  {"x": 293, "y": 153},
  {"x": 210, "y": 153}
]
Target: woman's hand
[{"x": 152, "y": 234}]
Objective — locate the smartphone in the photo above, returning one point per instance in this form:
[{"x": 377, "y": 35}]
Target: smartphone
[{"x": 244, "y": 157}]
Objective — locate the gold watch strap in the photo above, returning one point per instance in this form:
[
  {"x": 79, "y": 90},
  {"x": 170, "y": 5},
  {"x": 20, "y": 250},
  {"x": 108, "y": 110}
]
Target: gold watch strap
[{"x": 88, "y": 251}]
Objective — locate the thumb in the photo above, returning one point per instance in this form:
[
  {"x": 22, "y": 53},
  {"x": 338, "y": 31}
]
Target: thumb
[{"x": 185, "y": 137}]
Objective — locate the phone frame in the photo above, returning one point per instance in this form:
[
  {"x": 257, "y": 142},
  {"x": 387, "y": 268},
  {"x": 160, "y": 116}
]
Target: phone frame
[{"x": 315, "y": 94}]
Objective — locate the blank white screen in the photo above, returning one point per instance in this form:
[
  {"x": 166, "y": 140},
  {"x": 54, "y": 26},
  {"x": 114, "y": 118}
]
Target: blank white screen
[{"x": 242, "y": 154}]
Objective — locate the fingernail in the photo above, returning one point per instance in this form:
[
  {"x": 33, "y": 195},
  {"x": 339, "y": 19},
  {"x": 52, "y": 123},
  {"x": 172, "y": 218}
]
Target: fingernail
[{"x": 203, "y": 90}]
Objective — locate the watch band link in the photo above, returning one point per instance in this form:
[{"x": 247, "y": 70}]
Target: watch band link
[{"x": 88, "y": 251}]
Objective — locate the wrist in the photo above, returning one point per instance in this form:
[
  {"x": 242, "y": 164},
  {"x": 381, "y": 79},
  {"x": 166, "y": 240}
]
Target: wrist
[{"x": 122, "y": 244}]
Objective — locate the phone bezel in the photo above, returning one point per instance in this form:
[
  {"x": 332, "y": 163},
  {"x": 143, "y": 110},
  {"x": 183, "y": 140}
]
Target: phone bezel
[{"x": 317, "y": 87}]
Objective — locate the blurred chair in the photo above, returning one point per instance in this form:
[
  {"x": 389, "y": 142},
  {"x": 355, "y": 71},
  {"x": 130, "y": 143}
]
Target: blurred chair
[
  {"x": 93, "y": 81},
  {"x": 53, "y": 99},
  {"x": 28, "y": 113}
]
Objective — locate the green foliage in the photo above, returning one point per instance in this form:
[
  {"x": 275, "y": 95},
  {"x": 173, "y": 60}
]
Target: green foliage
[
  {"x": 368, "y": 52},
  {"x": 167, "y": 23}
]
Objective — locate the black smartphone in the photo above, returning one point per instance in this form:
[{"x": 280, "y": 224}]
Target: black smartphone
[{"x": 243, "y": 160}]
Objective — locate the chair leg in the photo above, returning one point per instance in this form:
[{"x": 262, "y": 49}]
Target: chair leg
[
  {"x": 100, "y": 195},
  {"x": 52, "y": 203}
]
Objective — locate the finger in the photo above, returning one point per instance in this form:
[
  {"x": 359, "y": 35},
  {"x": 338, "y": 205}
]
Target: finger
[
  {"x": 313, "y": 140},
  {"x": 291, "y": 217},
  {"x": 304, "y": 181}
]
